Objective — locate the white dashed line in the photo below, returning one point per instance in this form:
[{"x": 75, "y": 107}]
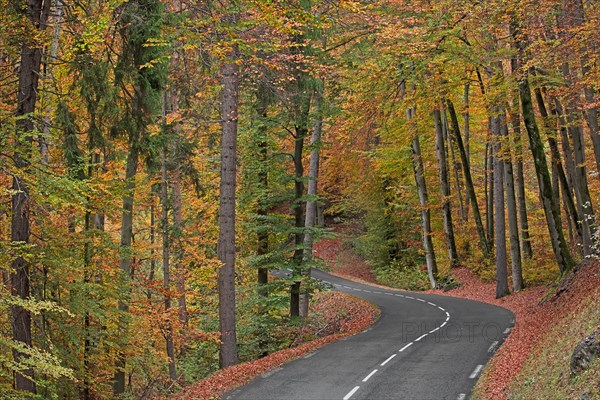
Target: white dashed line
[
  {"x": 492, "y": 347},
  {"x": 370, "y": 375},
  {"x": 461, "y": 396},
  {"x": 350, "y": 393},
  {"x": 310, "y": 355},
  {"x": 420, "y": 337},
  {"x": 405, "y": 347},
  {"x": 388, "y": 359},
  {"x": 476, "y": 372},
  {"x": 507, "y": 331}
]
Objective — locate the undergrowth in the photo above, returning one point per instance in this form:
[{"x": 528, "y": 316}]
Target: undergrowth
[{"x": 546, "y": 374}]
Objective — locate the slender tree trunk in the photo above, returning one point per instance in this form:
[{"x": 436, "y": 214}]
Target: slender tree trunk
[
  {"x": 152, "y": 272},
  {"x": 457, "y": 169},
  {"x": 164, "y": 199},
  {"x": 525, "y": 240},
  {"x": 499, "y": 226},
  {"x": 591, "y": 115},
  {"x": 262, "y": 247},
  {"x": 511, "y": 207},
  {"x": 179, "y": 267},
  {"x": 31, "y": 57},
  {"x": 125, "y": 261},
  {"x": 301, "y": 133},
  {"x": 423, "y": 199},
  {"x": 444, "y": 187},
  {"x": 557, "y": 168},
  {"x": 469, "y": 181},
  {"x": 489, "y": 212},
  {"x": 311, "y": 204},
  {"x": 559, "y": 246},
  {"x": 229, "y": 118}
]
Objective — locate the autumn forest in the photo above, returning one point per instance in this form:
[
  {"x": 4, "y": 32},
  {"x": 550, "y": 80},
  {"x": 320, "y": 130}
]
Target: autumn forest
[{"x": 168, "y": 167}]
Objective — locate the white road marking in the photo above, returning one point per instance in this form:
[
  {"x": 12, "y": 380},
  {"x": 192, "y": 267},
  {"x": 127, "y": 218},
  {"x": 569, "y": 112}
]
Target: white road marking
[
  {"x": 420, "y": 337},
  {"x": 447, "y": 314},
  {"x": 388, "y": 360},
  {"x": 268, "y": 374},
  {"x": 389, "y": 294},
  {"x": 444, "y": 324},
  {"x": 406, "y": 347},
  {"x": 431, "y": 304},
  {"x": 476, "y": 372},
  {"x": 461, "y": 396},
  {"x": 421, "y": 300},
  {"x": 447, "y": 319},
  {"x": 410, "y": 297},
  {"x": 434, "y": 330},
  {"x": 507, "y": 331},
  {"x": 377, "y": 292},
  {"x": 493, "y": 347},
  {"x": 350, "y": 393},
  {"x": 441, "y": 308},
  {"x": 368, "y": 291},
  {"x": 370, "y": 375},
  {"x": 309, "y": 355}
]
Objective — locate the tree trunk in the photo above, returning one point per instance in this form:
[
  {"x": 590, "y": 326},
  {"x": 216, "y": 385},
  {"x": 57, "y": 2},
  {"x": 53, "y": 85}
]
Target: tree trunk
[
  {"x": 262, "y": 246},
  {"x": 311, "y": 204},
  {"x": 229, "y": 119},
  {"x": 563, "y": 185},
  {"x": 31, "y": 57},
  {"x": 170, "y": 348},
  {"x": 499, "y": 226},
  {"x": 559, "y": 246},
  {"x": 469, "y": 181},
  {"x": 301, "y": 133},
  {"x": 423, "y": 199},
  {"x": 444, "y": 187},
  {"x": 511, "y": 207},
  {"x": 489, "y": 176},
  {"x": 179, "y": 267},
  {"x": 125, "y": 260},
  {"x": 525, "y": 240}
]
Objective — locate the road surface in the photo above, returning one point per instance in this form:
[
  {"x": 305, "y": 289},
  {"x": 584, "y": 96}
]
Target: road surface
[{"x": 422, "y": 347}]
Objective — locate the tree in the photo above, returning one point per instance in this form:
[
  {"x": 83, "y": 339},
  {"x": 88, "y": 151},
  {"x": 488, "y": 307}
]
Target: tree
[
  {"x": 229, "y": 120},
  {"x": 36, "y": 12}
]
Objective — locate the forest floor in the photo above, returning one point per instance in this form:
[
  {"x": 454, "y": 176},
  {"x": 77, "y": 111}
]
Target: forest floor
[
  {"x": 334, "y": 316},
  {"x": 538, "y": 309}
]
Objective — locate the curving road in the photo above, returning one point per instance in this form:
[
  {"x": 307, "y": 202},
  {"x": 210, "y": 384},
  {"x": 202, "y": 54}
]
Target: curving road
[{"x": 423, "y": 347}]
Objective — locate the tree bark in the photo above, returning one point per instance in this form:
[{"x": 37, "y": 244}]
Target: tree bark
[
  {"x": 524, "y": 238},
  {"x": 164, "y": 198},
  {"x": 559, "y": 246},
  {"x": 499, "y": 226},
  {"x": 31, "y": 58},
  {"x": 226, "y": 284},
  {"x": 444, "y": 187},
  {"x": 511, "y": 207},
  {"x": 469, "y": 181},
  {"x": 125, "y": 259},
  {"x": 311, "y": 204},
  {"x": 563, "y": 185},
  {"x": 423, "y": 199}
]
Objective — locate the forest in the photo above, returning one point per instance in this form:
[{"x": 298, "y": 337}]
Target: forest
[{"x": 160, "y": 157}]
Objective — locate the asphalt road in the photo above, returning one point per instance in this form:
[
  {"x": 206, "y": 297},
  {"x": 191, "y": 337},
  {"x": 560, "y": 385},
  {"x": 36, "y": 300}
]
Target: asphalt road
[{"x": 422, "y": 347}]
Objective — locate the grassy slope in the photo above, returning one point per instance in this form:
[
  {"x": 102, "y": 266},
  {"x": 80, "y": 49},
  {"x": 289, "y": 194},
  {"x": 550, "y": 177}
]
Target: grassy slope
[{"x": 546, "y": 373}]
